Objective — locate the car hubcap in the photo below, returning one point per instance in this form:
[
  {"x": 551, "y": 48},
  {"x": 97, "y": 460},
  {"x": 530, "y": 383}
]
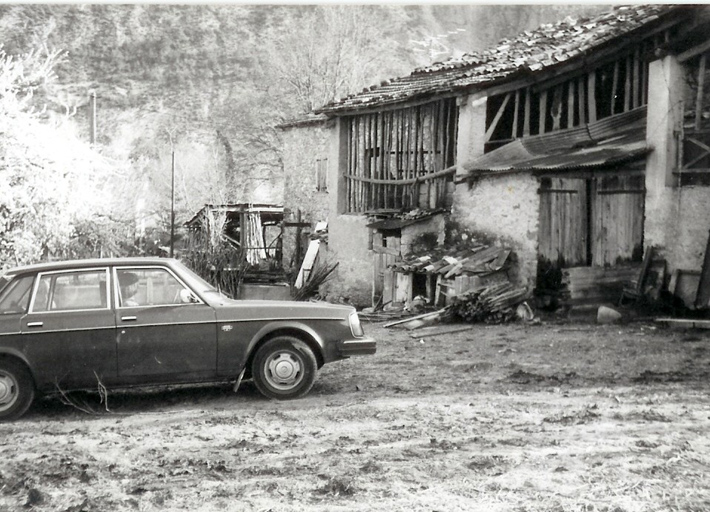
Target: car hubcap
[
  {"x": 283, "y": 370},
  {"x": 8, "y": 391}
]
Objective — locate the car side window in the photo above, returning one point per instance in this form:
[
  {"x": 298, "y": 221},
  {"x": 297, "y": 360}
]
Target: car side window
[
  {"x": 71, "y": 291},
  {"x": 149, "y": 287},
  {"x": 15, "y": 297}
]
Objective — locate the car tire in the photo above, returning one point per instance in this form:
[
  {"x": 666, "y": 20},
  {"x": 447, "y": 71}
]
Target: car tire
[
  {"x": 284, "y": 368},
  {"x": 17, "y": 389}
]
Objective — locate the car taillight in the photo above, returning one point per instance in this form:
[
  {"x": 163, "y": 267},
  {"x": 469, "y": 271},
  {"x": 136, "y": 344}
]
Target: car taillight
[{"x": 355, "y": 325}]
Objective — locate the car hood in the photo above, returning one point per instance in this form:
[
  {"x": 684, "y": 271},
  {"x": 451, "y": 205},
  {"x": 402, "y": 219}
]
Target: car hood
[{"x": 229, "y": 309}]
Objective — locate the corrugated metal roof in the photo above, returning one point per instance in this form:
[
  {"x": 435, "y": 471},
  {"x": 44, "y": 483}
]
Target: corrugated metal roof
[
  {"x": 608, "y": 142},
  {"x": 532, "y": 51}
]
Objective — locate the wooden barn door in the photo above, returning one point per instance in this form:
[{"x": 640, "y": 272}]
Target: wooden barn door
[
  {"x": 595, "y": 221},
  {"x": 617, "y": 219},
  {"x": 386, "y": 250},
  {"x": 564, "y": 221}
]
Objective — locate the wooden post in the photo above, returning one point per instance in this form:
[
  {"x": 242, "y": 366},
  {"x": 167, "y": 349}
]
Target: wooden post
[
  {"x": 526, "y": 116},
  {"x": 298, "y": 236},
  {"x": 582, "y": 101},
  {"x": 556, "y": 107},
  {"x": 627, "y": 85},
  {"x": 543, "y": 112},
  {"x": 591, "y": 96},
  {"x": 636, "y": 83},
  {"x": 514, "y": 133},
  {"x": 699, "y": 97},
  {"x": 614, "y": 86},
  {"x": 570, "y": 104},
  {"x": 92, "y": 125}
]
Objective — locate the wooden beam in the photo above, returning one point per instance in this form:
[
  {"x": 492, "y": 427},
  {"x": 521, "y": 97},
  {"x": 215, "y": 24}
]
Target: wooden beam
[
  {"x": 409, "y": 181},
  {"x": 591, "y": 97},
  {"x": 695, "y": 50},
  {"x": 699, "y": 97},
  {"x": 496, "y": 119}
]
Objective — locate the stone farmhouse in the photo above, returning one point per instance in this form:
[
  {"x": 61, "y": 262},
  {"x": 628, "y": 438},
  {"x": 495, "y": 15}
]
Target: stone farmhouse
[{"x": 577, "y": 145}]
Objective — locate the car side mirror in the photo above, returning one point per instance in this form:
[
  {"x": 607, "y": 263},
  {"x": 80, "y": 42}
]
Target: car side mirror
[{"x": 187, "y": 297}]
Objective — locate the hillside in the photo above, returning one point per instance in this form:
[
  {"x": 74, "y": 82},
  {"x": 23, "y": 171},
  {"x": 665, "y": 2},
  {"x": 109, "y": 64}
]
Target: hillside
[{"x": 211, "y": 81}]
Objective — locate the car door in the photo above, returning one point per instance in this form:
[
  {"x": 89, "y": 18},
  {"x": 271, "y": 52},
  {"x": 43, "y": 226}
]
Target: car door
[
  {"x": 69, "y": 330},
  {"x": 165, "y": 332}
]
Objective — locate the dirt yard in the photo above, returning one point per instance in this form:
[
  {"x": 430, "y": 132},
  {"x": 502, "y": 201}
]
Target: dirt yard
[{"x": 554, "y": 417}]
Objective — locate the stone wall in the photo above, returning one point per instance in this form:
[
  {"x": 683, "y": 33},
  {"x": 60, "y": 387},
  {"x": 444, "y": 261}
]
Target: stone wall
[
  {"x": 410, "y": 234},
  {"x": 504, "y": 208},
  {"x": 348, "y": 244},
  {"x": 302, "y": 146},
  {"x": 677, "y": 218}
]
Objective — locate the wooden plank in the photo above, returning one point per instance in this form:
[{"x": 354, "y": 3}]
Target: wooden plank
[
  {"x": 439, "y": 330},
  {"x": 431, "y": 314},
  {"x": 687, "y": 323},
  {"x": 699, "y": 96}
]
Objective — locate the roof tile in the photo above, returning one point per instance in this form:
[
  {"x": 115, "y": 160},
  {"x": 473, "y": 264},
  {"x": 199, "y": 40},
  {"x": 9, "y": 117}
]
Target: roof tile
[{"x": 549, "y": 45}]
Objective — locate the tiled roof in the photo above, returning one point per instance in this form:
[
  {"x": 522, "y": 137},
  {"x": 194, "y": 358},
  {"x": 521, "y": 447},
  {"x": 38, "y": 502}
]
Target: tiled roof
[{"x": 532, "y": 51}]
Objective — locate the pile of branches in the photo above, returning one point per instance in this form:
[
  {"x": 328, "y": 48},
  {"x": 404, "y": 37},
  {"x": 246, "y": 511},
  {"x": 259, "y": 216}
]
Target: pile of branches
[{"x": 495, "y": 303}]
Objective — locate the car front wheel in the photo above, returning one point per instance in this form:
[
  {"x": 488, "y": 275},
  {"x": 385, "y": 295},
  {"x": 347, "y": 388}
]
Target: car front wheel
[
  {"x": 284, "y": 368},
  {"x": 16, "y": 389}
]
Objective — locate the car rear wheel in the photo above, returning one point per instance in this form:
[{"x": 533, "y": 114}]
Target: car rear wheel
[
  {"x": 284, "y": 368},
  {"x": 17, "y": 389}
]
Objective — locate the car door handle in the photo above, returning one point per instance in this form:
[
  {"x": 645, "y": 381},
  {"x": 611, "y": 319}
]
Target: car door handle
[
  {"x": 35, "y": 324},
  {"x": 129, "y": 318}
]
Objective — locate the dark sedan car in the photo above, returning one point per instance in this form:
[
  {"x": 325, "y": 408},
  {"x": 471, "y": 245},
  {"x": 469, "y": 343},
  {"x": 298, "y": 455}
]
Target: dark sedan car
[{"x": 152, "y": 321}]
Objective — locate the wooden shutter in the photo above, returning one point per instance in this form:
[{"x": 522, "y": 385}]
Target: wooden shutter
[
  {"x": 617, "y": 219},
  {"x": 563, "y": 221}
]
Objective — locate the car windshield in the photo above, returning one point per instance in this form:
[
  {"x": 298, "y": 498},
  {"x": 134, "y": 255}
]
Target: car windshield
[
  {"x": 205, "y": 287},
  {"x": 3, "y": 281}
]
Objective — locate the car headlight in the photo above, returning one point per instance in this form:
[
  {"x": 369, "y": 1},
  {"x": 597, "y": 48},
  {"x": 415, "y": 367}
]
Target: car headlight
[{"x": 355, "y": 325}]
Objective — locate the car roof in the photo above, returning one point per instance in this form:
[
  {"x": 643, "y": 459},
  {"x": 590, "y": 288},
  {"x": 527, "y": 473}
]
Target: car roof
[{"x": 88, "y": 263}]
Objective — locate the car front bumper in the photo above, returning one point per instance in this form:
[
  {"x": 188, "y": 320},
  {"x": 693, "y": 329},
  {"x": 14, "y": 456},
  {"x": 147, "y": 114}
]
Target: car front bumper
[{"x": 357, "y": 347}]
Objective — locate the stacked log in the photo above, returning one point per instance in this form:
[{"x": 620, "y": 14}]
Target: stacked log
[{"x": 495, "y": 303}]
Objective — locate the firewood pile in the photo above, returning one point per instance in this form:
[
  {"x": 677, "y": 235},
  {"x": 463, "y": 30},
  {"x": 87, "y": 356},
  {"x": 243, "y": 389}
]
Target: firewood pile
[{"x": 496, "y": 303}]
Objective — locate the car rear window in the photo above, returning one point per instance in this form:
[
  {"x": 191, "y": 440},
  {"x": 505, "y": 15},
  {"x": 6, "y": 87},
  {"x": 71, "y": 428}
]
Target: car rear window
[{"x": 15, "y": 295}]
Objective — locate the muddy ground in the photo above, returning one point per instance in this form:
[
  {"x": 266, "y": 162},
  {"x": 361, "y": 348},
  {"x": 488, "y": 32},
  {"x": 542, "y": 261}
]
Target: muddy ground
[{"x": 551, "y": 417}]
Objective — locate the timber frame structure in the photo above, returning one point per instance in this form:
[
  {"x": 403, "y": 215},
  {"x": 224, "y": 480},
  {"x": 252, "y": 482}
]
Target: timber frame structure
[{"x": 401, "y": 159}]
